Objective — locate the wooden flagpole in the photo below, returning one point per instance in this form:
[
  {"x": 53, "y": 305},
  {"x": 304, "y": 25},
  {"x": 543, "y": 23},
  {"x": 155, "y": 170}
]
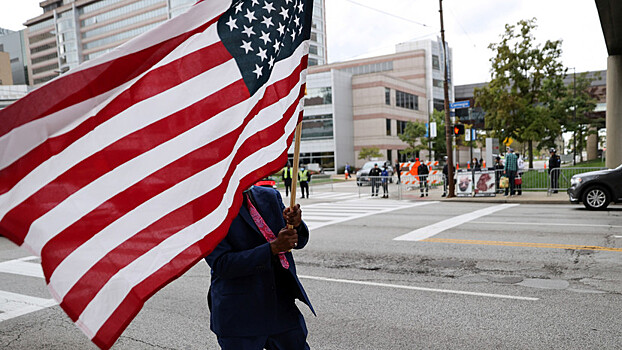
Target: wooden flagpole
[{"x": 292, "y": 199}]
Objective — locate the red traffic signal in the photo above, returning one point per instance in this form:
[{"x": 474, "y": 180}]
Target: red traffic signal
[{"x": 459, "y": 129}]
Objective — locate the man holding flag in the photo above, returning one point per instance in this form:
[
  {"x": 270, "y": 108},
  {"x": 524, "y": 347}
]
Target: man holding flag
[
  {"x": 124, "y": 172},
  {"x": 254, "y": 281}
]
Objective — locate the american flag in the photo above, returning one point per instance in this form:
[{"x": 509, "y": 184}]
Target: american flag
[{"x": 123, "y": 173}]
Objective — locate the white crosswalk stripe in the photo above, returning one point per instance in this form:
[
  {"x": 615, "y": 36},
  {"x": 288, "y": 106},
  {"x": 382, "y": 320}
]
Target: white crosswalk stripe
[
  {"x": 324, "y": 214},
  {"x": 12, "y": 304},
  {"x": 333, "y": 195}
]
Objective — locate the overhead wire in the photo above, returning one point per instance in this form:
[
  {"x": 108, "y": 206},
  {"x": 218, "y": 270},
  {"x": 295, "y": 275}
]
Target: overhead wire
[{"x": 389, "y": 14}]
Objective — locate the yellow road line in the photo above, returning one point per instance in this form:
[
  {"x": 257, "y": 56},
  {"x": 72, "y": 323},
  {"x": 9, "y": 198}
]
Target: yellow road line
[{"x": 521, "y": 244}]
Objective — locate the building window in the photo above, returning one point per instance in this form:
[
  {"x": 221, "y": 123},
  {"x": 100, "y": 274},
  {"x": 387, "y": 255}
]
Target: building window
[
  {"x": 44, "y": 58},
  {"x": 319, "y": 96},
  {"x": 436, "y": 63},
  {"x": 313, "y": 61},
  {"x": 387, "y": 96},
  {"x": 388, "y": 127},
  {"x": 45, "y": 68},
  {"x": 439, "y": 104},
  {"x": 316, "y": 127},
  {"x": 438, "y": 83},
  {"x": 326, "y": 160},
  {"x": 370, "y": 68},
  {"x": 401, "y": 126},
  {"x": 313, "y": 49},
  {"x": 406, "y": 100}
]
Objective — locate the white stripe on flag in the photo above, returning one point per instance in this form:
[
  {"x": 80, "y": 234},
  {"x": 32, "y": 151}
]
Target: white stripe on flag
[
  {"x": 28, "y": 136},
  {"x": 119, "y": 286},
  {"x": 130, "y": 120},
  {"x": 82, "y": 259},
  {"x": 133, "y": 119}
]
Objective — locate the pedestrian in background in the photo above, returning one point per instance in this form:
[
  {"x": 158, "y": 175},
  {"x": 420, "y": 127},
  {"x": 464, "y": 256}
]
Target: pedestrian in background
[
  {"x": 288, "y": 175},
  {"x": 498, "y": 170},
  {"x": 304, "y": 177},
  {"x": 555, "y": 163},
  {"x": 398, "y": 169},
  {"x": 510, "y": 169},
  {"x": 385, "y": 182},
  {"x": 445, "y": 177},
  {"x": 374, "y": 176},
  {"x": 347, "y": 171},
  {"x": 423, "y": 173},
  {"x": 519, "y": 177}
]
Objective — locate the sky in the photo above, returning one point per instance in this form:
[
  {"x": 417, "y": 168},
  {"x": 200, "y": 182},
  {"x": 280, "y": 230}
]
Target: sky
[{"x": 355, "y": 31}]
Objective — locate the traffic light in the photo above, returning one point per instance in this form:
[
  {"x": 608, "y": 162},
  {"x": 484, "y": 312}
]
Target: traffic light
[{"x": 458, "y": 129}]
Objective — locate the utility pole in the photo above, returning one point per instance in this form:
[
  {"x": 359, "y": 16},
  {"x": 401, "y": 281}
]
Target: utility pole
[
  {"x": 574, "y": 110},
  {"x": 448, "y": 132}
]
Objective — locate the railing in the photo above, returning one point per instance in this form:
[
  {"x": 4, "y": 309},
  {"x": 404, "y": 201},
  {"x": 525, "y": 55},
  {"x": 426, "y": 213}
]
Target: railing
[{"x": 559, "y": 178}]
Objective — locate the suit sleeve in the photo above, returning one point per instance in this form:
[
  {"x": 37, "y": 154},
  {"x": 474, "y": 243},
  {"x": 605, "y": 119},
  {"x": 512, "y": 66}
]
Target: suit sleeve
[{"x": 227, "y": 263}]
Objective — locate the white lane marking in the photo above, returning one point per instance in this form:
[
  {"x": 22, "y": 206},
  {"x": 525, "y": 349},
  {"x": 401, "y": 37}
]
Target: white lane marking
[
  {"x": 435, "y": 290},
  {"x": 617, "y": 236},
  {"x": 371, "y": 211},
  {"x": 434, "y": 229},
  {"x": 13, "y": 305},
  {"x": 546, "y": 224},
  {"x": 22, "y": 267}
]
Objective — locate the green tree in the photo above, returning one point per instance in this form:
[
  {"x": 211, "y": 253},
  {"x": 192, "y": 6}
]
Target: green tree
[
  {"x": 369, "y": 152},
  {"x": 521, "y": 98},
  {"x": 413, "y": 135},
  {"x": 578, "y": 104}
]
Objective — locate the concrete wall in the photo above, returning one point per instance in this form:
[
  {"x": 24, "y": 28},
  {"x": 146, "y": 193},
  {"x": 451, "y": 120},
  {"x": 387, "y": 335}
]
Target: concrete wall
[{"x": 614, "y": 111}]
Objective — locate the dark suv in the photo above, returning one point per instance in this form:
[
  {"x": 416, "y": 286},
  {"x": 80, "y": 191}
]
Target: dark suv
[{"x": 596, "y": 189}]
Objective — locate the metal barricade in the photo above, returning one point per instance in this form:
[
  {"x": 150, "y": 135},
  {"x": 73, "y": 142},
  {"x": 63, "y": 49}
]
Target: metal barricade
[
  {"x": 559, "y": 178},
  {"x": 416, "y": 185},
  {"x": 379, "y": 184}
]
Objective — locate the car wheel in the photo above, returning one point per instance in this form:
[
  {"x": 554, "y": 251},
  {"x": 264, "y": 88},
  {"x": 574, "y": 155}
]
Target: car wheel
[{"x": 596, "y": 198}]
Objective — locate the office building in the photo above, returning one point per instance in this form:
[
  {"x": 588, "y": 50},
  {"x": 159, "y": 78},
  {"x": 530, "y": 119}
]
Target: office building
[
  {"x": 318, "y": 55},
  {"x": 70, "y": 32},
  {"x": 12, "y": 43},
  {"x": 387, "y": 92}
]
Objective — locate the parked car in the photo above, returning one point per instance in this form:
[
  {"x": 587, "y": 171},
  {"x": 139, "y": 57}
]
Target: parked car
[
  {"x": 362, "y": 176},
  {"x": 266, "y": 182},
  {"x": 596, "y": 189}
]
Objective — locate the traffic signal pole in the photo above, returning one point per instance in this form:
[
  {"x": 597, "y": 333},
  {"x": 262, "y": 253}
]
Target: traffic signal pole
[{"x": 448, "y": 125}]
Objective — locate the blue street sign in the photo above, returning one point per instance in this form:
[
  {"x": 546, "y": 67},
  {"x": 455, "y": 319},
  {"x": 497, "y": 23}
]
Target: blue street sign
[{"x": 460, "y": 104}]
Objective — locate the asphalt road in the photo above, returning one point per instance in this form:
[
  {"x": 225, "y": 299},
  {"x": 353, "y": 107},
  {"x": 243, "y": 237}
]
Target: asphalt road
[{"x": 461, "y": 276}]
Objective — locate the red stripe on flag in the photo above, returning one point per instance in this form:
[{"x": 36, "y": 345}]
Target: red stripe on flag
[
  {"x": 72, "y": 89},
  {"x": 110, "y": 331},
  {"x": 75, "y": 235},
  {"x": 89, "y": 285},
  {"x": 17, "y": 221},
  {"x": 153, "y": 83}
]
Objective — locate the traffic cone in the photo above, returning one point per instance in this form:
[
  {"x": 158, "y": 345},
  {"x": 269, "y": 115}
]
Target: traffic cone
[
  {"x": 457, "y": 166},
  {"x": 484, "y": 164},
  {"x": 468, "y": 166}
]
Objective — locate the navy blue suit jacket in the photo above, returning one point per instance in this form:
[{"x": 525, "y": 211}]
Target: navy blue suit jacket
[{"x": 243, "y": 296}]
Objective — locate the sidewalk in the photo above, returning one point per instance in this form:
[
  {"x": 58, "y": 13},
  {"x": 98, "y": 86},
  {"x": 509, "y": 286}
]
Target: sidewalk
[{"x": 527, "y": 197}]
